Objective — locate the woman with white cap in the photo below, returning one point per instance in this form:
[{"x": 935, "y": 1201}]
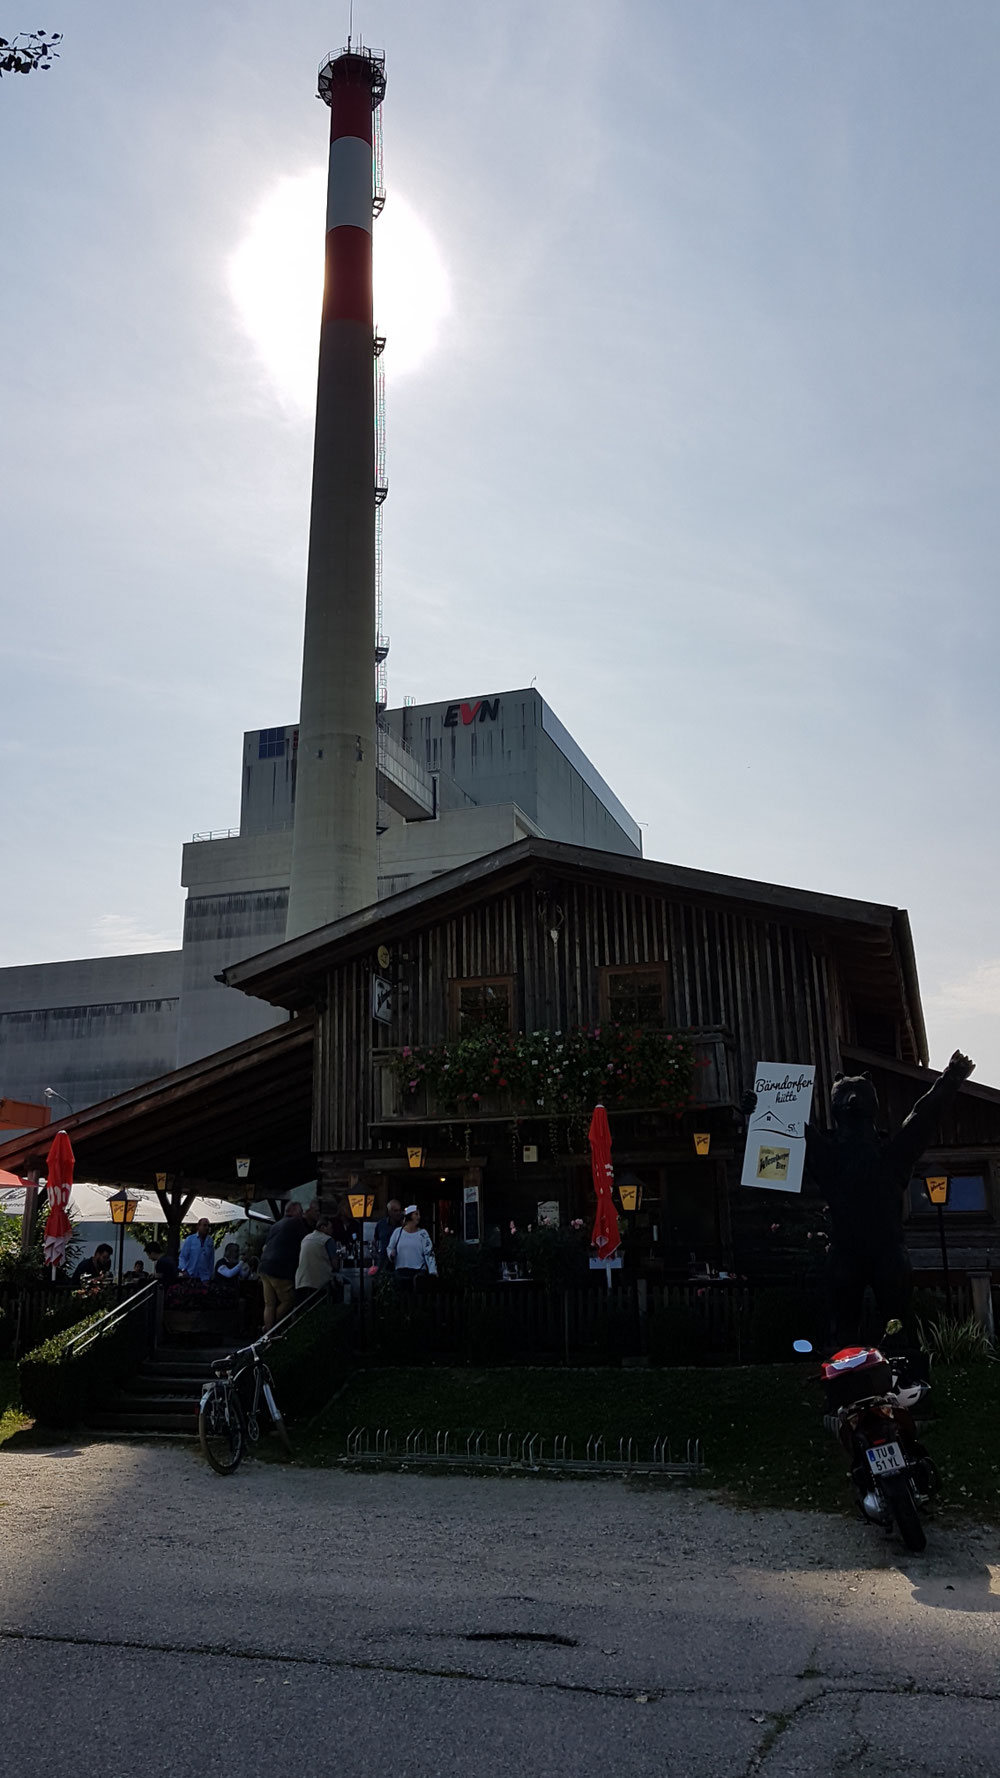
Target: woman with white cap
[{"x": 410, "y": 1252}]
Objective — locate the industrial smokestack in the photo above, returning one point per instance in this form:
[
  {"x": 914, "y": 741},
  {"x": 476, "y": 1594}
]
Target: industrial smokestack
[{"x": 333, "y": 843}]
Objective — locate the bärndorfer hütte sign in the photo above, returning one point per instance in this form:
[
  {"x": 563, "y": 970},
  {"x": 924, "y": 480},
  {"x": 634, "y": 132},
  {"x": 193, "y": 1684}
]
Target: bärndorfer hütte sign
[{"x": 776, "y": 1132}]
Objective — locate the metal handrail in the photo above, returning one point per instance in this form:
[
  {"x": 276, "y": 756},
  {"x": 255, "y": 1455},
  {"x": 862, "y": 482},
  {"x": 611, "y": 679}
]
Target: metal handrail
[{"x": 111, "y": 1318}]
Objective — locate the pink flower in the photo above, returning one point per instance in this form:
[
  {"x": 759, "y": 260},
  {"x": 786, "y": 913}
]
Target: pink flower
[
  {"x": 412, "y": 1085},
  {"x": 775, "y": 1226}
]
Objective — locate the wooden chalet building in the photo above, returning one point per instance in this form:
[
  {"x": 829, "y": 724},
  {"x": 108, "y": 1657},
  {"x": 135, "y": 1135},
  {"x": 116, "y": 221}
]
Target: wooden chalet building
[{"x": 544, "y": 939}]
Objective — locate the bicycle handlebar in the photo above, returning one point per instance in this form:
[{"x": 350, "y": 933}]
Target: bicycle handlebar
[{"x": 222, "y": 1364}]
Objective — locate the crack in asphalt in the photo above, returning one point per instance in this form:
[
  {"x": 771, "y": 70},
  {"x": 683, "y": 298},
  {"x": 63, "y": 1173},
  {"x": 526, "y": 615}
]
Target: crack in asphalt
[
  {"x": 348, "y": 1663},
  {"x": 779, "y": 1721}
]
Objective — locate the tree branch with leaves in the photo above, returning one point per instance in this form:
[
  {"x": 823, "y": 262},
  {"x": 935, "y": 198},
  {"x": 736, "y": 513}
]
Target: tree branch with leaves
[{"x": 28, "y": 51}]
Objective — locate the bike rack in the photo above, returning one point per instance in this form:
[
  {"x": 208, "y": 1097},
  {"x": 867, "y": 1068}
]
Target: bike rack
[{"x": 528, "y": 1451}]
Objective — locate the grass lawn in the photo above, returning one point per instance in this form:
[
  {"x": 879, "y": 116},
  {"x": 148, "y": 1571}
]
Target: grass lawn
[
  {"x": 760, "y": 1427},
  {"x": 12, "y": 1419}
]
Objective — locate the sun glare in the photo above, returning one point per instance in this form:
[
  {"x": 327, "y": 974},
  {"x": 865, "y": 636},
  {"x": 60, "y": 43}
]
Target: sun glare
[{"x": 276, "y": 282}]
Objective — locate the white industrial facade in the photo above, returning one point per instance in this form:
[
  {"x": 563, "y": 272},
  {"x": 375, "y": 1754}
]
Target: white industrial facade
[{"x": 456, "y": 780}]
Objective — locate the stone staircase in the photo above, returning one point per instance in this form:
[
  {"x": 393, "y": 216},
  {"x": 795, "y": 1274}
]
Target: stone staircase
[{"x": 162, "y": 1398}]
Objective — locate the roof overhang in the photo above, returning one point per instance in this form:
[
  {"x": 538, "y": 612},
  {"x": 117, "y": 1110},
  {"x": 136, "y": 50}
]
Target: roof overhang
[{"x": 252, "y": 1099}]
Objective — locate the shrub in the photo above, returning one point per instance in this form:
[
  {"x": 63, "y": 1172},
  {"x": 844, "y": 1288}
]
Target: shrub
[
  {"x": 950, "y": 1341},
  {"x": 555, "y": 1256},
  {"x": 60, "y": 1387},
  {"x": 311, "y": 1360}
]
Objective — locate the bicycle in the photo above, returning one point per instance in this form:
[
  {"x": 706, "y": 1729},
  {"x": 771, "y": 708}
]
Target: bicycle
[{"x": 226, "y": 1424}]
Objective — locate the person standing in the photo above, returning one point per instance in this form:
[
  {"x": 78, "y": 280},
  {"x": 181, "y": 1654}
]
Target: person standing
[
  {"x": 385, "y": 1228},
  {"x": 196, "y": 1259},
  {"x": 279, "y": 1263},
  {"x": 410, "y": 1251},
  {"x": 316, "y": 1262}
]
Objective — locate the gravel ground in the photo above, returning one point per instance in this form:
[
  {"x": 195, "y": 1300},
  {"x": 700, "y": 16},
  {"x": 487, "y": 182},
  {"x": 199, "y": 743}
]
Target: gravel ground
[{"x": 282, "y": 1620}]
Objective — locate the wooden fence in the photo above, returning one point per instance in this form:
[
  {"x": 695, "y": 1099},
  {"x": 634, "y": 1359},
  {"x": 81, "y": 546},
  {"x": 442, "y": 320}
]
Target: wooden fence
[
  {"x": 526, "y": 1323},
  {"x": 30, "y": 1313}
]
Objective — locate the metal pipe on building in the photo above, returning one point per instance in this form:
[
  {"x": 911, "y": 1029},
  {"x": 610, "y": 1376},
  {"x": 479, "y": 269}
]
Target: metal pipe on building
[{"x": 334, "y": 867}]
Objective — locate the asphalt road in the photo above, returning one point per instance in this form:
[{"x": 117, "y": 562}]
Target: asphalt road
[{"x": 155, "y": 1618}]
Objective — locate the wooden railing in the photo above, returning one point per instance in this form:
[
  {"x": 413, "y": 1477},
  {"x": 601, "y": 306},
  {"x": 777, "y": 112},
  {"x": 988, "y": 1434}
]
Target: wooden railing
[{"x": 714, "y": 1085}]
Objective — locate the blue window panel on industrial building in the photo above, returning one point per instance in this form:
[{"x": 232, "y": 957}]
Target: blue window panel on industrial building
[{"x": 271, "y": 743}]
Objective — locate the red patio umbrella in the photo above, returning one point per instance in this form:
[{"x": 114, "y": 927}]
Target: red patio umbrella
[
  {"x": 605, "y": 1236},
  {"x": 58, "y": 1228}
]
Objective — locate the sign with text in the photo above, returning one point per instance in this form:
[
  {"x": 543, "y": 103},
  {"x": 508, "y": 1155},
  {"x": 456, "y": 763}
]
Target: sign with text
[
  {"x": 776, "y": 1132},
  {"x": 483, "y": 710}
]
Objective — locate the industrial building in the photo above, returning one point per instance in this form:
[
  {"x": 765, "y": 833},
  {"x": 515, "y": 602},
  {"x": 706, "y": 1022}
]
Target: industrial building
[{"x": 456, "y": 780}]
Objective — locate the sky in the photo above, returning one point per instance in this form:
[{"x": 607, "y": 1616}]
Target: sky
[{"x": 692, "y": 421}]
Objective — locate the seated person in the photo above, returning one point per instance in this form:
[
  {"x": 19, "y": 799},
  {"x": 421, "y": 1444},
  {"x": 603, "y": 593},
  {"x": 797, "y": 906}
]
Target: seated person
[
  {"x": 232, "y": 1266},
  {"x": 98, "y": 1265}
]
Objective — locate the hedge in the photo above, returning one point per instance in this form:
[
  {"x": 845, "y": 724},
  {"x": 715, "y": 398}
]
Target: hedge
[
  {"x": 59, "y": 1388},
  {"x": 311, "y": 1360}
]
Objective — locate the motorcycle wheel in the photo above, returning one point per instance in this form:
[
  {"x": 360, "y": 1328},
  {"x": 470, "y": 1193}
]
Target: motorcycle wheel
[{"x": 904, "y": 1510}]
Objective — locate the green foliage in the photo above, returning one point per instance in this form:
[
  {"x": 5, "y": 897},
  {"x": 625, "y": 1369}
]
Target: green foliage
[
  {"x": 461, "y": 1266},
  {"x": 554, "y": 1072},
  {"x": 950, "y": 1341},
  {"x": 28, "y": 1268},
  {"x": 58, "y": 1388},
  {"x": 555, "y": 1256},
  {"x": 311, "y": 1360}
]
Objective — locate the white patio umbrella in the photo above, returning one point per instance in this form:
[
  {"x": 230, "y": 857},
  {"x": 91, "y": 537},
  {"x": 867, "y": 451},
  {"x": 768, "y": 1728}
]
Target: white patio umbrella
[{"x": 91, "y": 1203}]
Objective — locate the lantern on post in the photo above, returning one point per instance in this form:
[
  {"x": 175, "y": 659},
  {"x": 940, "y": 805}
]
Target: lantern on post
[
  {"x": 123, "y": 1210},
  {"x": 362, "y": 1204},
  {"x": 937, "y": 1191}
]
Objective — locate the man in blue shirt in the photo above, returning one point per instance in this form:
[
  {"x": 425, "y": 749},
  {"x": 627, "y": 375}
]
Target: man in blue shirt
[{"x": 197, "y": 1255}]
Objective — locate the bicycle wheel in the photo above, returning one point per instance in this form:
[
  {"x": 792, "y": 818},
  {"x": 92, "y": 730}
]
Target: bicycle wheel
[
  {"x": 275, "y": 1412},
  {"x": 220, "y": 1428}
]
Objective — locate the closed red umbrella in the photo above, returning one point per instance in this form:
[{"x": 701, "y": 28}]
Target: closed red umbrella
[
  {"x": 58, "y": 1228},
  {"x": 605, "y": 1237}
]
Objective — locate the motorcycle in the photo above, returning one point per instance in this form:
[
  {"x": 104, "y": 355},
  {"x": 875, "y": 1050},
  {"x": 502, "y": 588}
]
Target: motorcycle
[{"x": 870, "y": 1401}]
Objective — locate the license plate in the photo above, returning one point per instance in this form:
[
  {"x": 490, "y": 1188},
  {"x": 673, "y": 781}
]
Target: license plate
[{"x": 885, "y": 1459}]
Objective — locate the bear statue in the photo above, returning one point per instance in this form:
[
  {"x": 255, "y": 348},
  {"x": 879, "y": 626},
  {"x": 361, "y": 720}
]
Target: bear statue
[{"x": 862, "y": 1172}]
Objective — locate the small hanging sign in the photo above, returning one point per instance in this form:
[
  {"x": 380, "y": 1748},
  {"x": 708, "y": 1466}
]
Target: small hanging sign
[
  {"x": 415, "y": 1157},
  {"x": 381, "y": 1000}
]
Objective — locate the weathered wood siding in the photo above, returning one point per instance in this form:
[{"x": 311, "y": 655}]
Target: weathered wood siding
[{"x": 772, "y": 981}]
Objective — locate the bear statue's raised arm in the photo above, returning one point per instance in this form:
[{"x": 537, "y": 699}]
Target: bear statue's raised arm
[{"x": 917, "y": 1129}]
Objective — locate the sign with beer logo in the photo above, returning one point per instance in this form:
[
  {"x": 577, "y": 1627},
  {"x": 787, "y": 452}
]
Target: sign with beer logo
[
  {"x": 937, "y": 1189},
  {"x": 776, "y": 1132}
]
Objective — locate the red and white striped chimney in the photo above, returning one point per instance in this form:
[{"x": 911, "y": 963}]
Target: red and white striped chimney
[{"x": 333, "y": 842}]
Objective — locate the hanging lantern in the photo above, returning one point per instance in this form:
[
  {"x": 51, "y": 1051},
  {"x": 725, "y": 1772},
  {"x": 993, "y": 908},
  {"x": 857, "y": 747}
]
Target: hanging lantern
[{"x": 702, "y": 1142}]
